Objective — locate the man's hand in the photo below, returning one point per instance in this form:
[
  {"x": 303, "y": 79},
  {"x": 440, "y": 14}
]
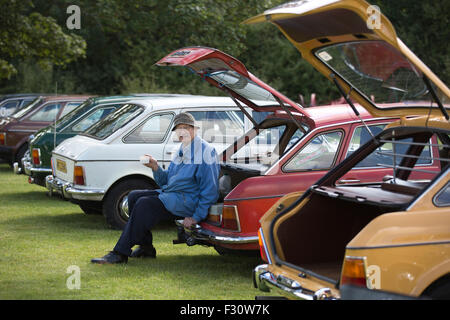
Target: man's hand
[
  {"x": 152, "y": 164},
  {"x": 188, "y": 222}
]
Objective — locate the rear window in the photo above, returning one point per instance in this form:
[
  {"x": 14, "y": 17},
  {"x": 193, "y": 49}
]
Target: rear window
[{"x": 114, "y": 121}]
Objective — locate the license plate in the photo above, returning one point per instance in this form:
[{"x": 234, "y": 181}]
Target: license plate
[{"x": 61, "y": 166}]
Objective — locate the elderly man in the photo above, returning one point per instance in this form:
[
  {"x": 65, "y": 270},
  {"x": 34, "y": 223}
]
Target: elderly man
[{"x": 188, "y": 188}]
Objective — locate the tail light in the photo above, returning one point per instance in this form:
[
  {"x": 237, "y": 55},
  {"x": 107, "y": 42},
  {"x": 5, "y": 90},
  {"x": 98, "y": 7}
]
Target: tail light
[
  {"x": 230, "y": 218},
  {"x": 36, "y": 156},
  {"x": 2, "y": 138},
  {"x": 354, "y": 271},
  {"x": 78, "y": 175},
  {"x": 262, "y": 246}
]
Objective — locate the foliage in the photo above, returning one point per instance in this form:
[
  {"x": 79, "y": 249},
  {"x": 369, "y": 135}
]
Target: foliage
[
  {"x": 24, "y": 34},
  {"x": 125, "y": 38}
]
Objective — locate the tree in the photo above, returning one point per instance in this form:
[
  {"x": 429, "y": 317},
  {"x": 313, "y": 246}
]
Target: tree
[{"x": 25, "y": 34}]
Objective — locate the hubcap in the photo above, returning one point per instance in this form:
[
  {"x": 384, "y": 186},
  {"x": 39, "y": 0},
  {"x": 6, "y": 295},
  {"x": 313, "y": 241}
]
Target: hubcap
[{"x": 123, "y": 208}]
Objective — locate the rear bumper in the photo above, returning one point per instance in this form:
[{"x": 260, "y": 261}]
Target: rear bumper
[
  {"x": 201, "y": 235},
  {"x": 266, "y": 281},
  {"x": 69, "y": 191},
  {"x": 29, "y": 170}
]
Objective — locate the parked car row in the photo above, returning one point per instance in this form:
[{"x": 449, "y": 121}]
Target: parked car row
[{"x": 353, "y": 194}]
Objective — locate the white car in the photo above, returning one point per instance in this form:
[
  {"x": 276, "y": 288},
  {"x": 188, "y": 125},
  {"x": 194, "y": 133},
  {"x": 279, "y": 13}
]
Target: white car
[{"x": 98, "y": 168}]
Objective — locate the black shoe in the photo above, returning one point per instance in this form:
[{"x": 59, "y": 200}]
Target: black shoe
[
  {"x": 111, "y": 258},
  {"x": 144, "y": 252}
]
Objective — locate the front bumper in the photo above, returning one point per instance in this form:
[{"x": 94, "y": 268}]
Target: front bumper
[
  {"x": 201, "y": 235},
  {"x": 69, "y": 191},
  {"x": 266, "y": 281}
]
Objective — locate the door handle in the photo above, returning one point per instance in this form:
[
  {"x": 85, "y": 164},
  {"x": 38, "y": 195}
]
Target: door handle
[{"x": 349, "y": 181}]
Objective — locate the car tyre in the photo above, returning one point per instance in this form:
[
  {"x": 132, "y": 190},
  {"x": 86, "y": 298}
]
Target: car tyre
[
  {"x": 439, "y": 290},
  {"x": 114, "y": 201},
  {"x": 91, "y": 207}
]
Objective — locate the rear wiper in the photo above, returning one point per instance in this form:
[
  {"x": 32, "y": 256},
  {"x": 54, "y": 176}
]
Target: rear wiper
[
  {"x": 350, "y": 103},
  {"x": 435, "y": 97}
]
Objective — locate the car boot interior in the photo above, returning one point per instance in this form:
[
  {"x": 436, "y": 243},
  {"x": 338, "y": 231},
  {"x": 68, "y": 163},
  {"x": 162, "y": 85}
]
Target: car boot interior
[{"x": 316, "y": 239}]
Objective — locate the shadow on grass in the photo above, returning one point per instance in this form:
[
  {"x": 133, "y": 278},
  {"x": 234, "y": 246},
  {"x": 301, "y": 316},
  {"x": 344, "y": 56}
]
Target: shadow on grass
[
  {"x": 76, "y": 220},
  {"x": 197, "y": 266}
]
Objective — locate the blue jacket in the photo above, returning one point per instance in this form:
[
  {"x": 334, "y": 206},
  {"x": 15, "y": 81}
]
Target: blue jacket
[{"x": 190, "y": 185}]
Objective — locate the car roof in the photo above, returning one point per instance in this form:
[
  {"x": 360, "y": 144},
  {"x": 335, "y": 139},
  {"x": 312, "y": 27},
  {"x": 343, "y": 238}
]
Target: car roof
[
  {"x": 177, "y": 101},
  {"x": 65, "y": 97}
]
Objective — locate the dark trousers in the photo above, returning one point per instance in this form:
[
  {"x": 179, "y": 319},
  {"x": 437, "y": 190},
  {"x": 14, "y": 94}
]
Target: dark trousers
[{"x": 146, "y": 210}]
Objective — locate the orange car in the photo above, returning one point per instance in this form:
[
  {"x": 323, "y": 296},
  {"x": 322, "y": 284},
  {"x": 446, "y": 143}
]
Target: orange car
[{"x": 394, "y": 234}]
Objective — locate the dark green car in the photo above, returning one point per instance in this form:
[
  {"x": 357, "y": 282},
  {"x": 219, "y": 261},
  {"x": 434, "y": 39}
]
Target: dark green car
[{"x": 36, "y": 162}]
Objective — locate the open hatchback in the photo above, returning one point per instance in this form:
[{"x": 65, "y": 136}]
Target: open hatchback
[
  {"x": 287, "y": 150},
  {"x": 379, "y": 234}
]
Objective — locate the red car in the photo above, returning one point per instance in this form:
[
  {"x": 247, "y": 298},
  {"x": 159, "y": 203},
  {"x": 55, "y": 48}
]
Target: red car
[
  {"x": 288, "y": 151},
  {"x": 43, "y": 111}
]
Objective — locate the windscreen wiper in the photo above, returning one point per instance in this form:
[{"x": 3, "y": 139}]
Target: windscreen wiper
[{"x": 435, "y": 97}]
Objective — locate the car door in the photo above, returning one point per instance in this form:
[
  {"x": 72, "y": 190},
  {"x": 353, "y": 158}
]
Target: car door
[{"x": 313, "y": 158}]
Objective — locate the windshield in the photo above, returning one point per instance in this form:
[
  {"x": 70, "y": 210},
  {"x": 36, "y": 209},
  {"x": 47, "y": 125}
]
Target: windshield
[
  {"x": 379, "y": 72},
  {"x": 68, "y": 118},
  {"x": 25, "y": 109},
  {"x": 114, "y": 121},
  {"x": 84, "y": 116}
]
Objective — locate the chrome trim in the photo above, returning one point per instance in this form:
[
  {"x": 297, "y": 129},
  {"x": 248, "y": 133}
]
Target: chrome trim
[
  {"x": 199, "y": 233},
  {"x": 263, "y": 239},
  {"x": 69, "y": 191},
  {"x": 266, "y": 281}
]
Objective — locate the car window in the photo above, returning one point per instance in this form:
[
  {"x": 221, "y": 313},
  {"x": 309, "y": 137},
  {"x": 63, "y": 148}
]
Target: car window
[
  {"x": 114, "y": 121},
  {"x": 385, "y": 155},
  {"x": 7, "y": 108},
  {"x": 442, "y": 198},
  {"x": 318, "y": 154},
  {"x": 92, "y": 117},
  {"x": 219, "y": 126},
  {"x": 263, "y": 146},
  {"x": 47, "y": 113},
  {"x": 26, "y": 102},
  {"x": 69, "y": 107},
  {"x": 153, "y": 130}
]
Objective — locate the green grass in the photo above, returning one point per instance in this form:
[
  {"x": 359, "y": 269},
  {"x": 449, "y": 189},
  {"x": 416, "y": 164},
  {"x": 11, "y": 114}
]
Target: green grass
[{"x": 40, "y": 237}]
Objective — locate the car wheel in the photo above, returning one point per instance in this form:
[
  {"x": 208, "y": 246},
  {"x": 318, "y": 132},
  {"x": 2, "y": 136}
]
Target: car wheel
[
  {"x": 115, "y": 205},
  {"x": 439, "y": 290}
]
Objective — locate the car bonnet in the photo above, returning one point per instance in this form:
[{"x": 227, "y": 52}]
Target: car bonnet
[{"x": 314, "y": 26}]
